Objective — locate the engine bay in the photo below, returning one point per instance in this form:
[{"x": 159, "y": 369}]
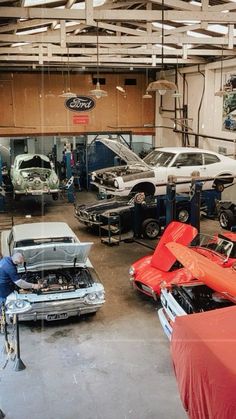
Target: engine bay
[
  {"x": 198, "y": 298},
  {"x": 59, "y": 280}
]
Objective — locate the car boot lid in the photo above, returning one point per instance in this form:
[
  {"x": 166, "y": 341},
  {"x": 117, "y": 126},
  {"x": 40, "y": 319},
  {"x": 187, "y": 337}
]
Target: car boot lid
[
  {"x": 178, "y": 232},
  {"x": 56, "y": 255},
  {"x": 222, "y": 280},
  {"x": 122, "y": 151}
]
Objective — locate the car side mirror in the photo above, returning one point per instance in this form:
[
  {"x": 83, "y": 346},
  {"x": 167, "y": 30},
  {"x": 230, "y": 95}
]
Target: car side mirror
[{"x": 178, "y": 165}]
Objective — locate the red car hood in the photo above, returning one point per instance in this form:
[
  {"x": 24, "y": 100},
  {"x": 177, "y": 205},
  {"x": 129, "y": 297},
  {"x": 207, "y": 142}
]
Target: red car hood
[
  {"x": 220, "y": 279},
  {"x": 155, "y": 278},
  {"x": 177, "y": 232}
]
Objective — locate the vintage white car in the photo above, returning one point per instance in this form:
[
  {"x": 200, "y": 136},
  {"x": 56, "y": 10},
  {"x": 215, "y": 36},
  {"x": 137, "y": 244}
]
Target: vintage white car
[
  {"x": 56, "y": 258},
  {"x": 150, "y": 175},
  {"x": 33, "y": 174}
]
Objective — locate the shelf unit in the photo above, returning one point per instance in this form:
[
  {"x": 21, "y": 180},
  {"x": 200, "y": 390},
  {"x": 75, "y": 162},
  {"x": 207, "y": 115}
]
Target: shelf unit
[{"x": 109, "y": 229}]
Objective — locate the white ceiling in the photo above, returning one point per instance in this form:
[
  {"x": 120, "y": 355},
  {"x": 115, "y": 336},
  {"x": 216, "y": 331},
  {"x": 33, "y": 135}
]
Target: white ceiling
[{"x": 60, "y": 33}]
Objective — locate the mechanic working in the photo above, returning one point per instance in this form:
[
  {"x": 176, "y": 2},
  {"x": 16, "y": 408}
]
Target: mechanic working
[{"x": 9, "y": 276}]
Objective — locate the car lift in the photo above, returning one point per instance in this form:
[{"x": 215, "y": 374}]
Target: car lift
[
  {"x": 167, "y": 204},
  {"x": 2, "y": 192}
]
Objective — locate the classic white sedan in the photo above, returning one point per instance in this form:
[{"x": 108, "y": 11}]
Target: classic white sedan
[
  {"x": 56, "y": 258},
  {"x": 33, "y": 174},
  {"x": 149, "y": 175}
]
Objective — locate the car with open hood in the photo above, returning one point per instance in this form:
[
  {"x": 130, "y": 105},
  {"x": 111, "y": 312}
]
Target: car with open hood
[
  {"x": 210, "y": 286},
  {"x": 149, "y": 273},
  {"x": 33, "y": 174},
  {"x": 55, "y": 258},
  {"x": 150, "y": 175}
]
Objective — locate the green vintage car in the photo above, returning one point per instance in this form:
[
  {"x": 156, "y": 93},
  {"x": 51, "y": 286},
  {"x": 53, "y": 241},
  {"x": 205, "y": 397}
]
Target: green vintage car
[{"x": 33, "y": 174}]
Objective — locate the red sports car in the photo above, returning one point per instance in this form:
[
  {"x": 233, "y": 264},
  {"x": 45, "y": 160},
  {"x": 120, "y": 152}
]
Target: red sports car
[{"x": 149, "y": 272}]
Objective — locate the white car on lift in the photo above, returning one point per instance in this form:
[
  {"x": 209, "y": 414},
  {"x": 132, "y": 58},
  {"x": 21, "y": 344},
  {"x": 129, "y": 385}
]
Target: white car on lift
[
  {"x": 33, "y": 174},
  {"x": 55, "y": 258},
  {"x": 149, "y": 175}
]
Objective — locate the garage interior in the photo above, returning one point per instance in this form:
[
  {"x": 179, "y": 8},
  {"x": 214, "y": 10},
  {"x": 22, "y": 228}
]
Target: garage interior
[{"x": 147, "y": 74}]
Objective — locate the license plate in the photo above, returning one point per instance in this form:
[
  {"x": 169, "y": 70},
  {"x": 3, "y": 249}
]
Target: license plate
[
  {"x": 36, "y": 193},
  {"x": 57, "y": 316}
]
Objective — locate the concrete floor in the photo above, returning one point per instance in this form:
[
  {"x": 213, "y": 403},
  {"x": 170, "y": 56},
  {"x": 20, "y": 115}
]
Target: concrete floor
[{"x": 110, "y": 366}]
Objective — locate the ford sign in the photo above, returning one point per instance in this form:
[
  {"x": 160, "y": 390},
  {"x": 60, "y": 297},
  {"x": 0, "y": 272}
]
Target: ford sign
[{"x": 80, "y": 104}]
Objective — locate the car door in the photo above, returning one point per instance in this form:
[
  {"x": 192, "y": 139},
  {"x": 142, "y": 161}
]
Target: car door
[
  {"x": 214, "y": 167},
  {"x": 184, "y": 165}
]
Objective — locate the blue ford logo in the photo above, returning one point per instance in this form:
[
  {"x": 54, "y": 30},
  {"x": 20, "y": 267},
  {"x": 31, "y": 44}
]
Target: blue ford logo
[{"x": 80, "y": 103}]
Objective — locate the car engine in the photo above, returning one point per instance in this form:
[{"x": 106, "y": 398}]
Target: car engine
[
  {"x": 34, "y": 175},
  {"x": 198, "y": 298},
  {"x": 59, "y": 280}
]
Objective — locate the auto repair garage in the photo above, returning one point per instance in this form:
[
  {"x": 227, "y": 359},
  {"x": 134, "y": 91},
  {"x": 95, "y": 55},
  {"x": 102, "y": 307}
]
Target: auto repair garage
[{"x": 117, "y": 209}]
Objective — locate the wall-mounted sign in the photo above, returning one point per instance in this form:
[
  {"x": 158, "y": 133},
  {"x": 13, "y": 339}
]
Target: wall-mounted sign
[
  {"x": 80, "y": 119},
  {"x": 80, "y": 103}
]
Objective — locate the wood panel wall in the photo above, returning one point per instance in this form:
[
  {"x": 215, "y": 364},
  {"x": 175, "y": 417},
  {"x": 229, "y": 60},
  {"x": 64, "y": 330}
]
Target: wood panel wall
[{"x": 30, "y": 104}]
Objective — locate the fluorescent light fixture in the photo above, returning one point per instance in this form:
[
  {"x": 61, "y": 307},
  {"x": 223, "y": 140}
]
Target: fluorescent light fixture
[
  {"x": 195, "y": 3},
  {"x": 197, "y": 34},
  {"x": 32, "y": 31},
  {"x": 159, "y": 25},
  {"x": 121, "y": 89}
]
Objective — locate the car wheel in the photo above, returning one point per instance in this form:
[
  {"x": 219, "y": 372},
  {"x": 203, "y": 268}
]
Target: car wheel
[
  {"x": 55, "y": 196},
  {"x": 147, "y": 188},
  {"x": 219, "y": 186},
  {"x": 16, "y": 197},
  {"x": 183, "y": 215},
  {"x": 151, "y": 228},
  {"x": 226, "y": 219}
]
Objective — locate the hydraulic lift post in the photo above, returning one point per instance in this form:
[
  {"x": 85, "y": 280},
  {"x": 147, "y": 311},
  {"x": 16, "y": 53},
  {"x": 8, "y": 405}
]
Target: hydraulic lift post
[
  {"x": 170, "y": 200},
  {"x": 195, "y": 198}
]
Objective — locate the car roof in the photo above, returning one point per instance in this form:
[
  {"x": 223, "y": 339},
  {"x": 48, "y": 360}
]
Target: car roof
[
  {"x": 42, "y": 230},
  {"x": 185, "y": 150}
]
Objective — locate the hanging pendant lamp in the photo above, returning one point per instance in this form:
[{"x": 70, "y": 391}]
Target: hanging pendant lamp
[
  {"x": 98, "y": 92},
  {"x": 147, "y": 95},
  {"x": 221, "y": 92},
  {"x": 162, "y": 85},
  {"x": 67, "y": 92}
]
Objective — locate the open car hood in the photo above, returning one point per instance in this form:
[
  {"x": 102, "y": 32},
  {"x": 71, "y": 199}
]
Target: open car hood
[
  {"x": 54, "y": 255},
  {"x": 177, "y": 232},
  {"x": 122, "y": 151},
  {"x": 219, "y": 279}
]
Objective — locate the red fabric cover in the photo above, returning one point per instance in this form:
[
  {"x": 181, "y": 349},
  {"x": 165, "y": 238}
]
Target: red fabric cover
[
  {"x": 177, "y": 232},
  {"x": 219, "y": 279},
  {"x": 203, "y": 349}
]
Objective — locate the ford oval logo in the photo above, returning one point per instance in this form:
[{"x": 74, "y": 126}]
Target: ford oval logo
[{"x": 80, "y": 103}]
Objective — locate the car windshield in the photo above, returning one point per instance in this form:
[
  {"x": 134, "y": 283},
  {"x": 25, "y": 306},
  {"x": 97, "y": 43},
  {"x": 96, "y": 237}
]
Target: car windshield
[
  {"x": 36, "y": 242},
  {"x": 216, "y": 243},
  {"x": 36, "y": 161},
  {"x": 159, "y": 158}
]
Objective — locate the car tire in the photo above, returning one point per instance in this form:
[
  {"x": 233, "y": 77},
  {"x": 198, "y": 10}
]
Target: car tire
[
  {"x": 55, "y": 196},
  {"x": 150, "y": 228},
  {"x": 219, "y": 186},
  {"x": 183, "y": 215},
  {"x": 227, "y": 219}
]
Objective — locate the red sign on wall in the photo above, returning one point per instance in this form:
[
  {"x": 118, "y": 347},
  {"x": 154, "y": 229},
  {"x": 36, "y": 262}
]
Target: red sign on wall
[{"x": 80, "y": 119}]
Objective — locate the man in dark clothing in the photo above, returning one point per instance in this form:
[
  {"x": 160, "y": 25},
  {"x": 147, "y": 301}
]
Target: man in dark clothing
[{"x": 9, "y": 276}]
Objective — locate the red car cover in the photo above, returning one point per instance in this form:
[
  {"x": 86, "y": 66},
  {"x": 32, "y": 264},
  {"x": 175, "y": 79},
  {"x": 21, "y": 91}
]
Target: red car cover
[{"x": 203, "y": 349}]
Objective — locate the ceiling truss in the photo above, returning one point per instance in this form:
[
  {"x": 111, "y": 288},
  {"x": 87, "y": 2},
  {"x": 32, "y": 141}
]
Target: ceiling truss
[{"x": 59, "y": 33}]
